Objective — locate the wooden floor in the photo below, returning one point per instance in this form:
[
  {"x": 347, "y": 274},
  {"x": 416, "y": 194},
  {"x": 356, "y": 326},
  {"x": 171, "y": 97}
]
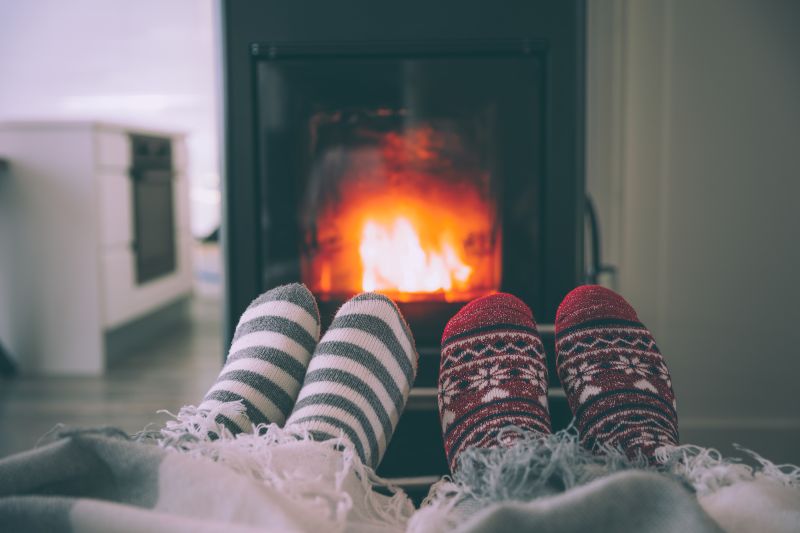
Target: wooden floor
[{"x": 165, "y": 372}]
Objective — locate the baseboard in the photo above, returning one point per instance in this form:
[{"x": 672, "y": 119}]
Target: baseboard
[
  {"x": 776, "y": 439},
  {"x": 133, "y": 335}
]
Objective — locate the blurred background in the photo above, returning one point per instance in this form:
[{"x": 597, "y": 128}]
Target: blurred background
[
  {"x": 91, "y": 343},
  {"x": 692, "y": 142},
  {"x": 152, "y": 65}
]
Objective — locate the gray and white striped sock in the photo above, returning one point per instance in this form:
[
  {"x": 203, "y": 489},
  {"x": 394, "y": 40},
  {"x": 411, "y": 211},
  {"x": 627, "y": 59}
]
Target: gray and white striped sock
[
  {"x": 359, "y": 377},
  {"x": 268, "y": 357}
]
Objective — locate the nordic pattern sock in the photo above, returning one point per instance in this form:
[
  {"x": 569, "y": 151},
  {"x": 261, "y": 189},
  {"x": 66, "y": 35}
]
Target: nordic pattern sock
[
  {"x": 492, "y": 374},
  {"x": 617, "y": 383},
  {"x": 359, "y": 377},
  {"x": 268, "y": 357}
]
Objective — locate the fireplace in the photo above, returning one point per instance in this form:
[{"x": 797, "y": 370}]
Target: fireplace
[
  {"x": 433, "y": 154},
  {"x": 418, "y": 175}
]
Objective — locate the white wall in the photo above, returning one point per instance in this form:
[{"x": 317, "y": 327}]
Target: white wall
[
  {"x": 148, "y": 63},
  {"x": 694, "y": 154}
]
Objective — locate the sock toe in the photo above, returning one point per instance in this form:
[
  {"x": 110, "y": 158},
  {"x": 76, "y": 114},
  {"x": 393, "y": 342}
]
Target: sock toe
[
  {"x": 368, "y": 306},
  {"x": 490, "y": 311},
  {"x": 589, "y": 302},
  {"x": 296, "y": 293}
]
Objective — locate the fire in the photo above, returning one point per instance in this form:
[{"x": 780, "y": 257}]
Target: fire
[
  {"x": 393, "y": 259},
  {"x": 412, "y": 247},
  {"x": 409, "y": 215}
]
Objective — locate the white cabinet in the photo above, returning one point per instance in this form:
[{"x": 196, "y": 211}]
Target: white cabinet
[{"x": 67, "y": 259}]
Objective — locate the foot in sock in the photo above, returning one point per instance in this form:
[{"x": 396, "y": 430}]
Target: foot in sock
[
  {"x": 268, "y": 357},
  {"x": 617, "y": 383},
  {"x": 492, "y": 374},
  {"x": 359, "y": 378}
]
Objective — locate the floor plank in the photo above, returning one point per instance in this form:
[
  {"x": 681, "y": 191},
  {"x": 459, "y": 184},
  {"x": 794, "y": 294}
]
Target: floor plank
[{"x": 168, "y": 371}]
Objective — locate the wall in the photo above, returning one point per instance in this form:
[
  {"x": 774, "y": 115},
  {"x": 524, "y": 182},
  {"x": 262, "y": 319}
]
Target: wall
[
  {"x": 694, "y": 136},
  {"x": 148, "y": 63}
]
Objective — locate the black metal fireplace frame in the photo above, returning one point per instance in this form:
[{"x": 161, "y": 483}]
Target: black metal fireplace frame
[
  {"x": 255, "y": 30},
  {"x": 521, "y": 235}
]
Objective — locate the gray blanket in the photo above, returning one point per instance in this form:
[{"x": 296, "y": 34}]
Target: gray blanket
[{"x": 101, "y": 480}]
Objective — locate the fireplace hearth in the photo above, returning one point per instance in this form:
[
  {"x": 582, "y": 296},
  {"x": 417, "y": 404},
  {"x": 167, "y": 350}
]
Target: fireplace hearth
[{"x": 432, "y": 151}]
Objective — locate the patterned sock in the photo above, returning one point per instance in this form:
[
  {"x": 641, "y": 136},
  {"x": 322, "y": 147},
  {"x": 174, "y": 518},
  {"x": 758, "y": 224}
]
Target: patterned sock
[
  {"x": 492, "y": 374},
  {"x": 617, "y": 384},
  {"x": 359, "y": 377},
  {"x": 268, "y": 357}
]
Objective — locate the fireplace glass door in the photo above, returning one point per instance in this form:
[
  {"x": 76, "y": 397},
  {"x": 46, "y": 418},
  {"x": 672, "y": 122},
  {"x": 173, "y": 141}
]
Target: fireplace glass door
[
  {"x": 400, "y": 205},
  {"x": 415, "y": 175}
]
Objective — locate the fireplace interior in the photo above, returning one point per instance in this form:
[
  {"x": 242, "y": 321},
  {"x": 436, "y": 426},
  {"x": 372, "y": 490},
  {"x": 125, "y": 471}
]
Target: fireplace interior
[
  {"x": 433, "y": 154},
  {"x": 402, "y": 208}
]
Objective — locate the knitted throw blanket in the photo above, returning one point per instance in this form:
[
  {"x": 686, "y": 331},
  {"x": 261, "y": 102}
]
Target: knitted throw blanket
[
  {"x": 178, "y": 480},
  {"x": 552, "y": 484}
]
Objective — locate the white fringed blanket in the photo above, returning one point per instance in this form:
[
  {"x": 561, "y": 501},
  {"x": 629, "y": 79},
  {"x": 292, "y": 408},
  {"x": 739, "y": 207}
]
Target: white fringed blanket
[{"x": 177, "y": 480}]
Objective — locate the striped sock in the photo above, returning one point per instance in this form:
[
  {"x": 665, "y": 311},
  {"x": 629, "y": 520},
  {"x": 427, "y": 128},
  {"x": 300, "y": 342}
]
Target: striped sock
[
  {"x": 616, "y": 381},
  {"x": 359, "y": 377},
  {"x": 492, "y": 375},
  {"x": 268, "y": 357}
]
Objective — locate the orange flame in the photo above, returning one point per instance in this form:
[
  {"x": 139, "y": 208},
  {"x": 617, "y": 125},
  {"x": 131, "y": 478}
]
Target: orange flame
[
  {"x": 393, "y": 259},
  {"x": 407, "y": 222}
]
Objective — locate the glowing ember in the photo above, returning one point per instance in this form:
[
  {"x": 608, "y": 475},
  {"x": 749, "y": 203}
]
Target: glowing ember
[{"x": 393, "y": 259}]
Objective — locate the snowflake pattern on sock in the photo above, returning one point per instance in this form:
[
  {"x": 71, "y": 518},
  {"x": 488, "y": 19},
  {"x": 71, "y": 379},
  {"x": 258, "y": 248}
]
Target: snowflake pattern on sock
[
  {"x": 492, "y": 374},
  {"x": 616, "y": 381}
]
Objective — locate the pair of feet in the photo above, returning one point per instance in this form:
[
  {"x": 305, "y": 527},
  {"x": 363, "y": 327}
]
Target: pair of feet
[
  {"x": 353, "y": 383},
  {"x": 494, "y": 375}
]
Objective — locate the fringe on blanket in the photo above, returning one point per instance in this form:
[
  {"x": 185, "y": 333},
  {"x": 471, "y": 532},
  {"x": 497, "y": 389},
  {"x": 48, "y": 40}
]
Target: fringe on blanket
[
  {"x": 707, "y": 471},
  {"x": 538, "y": 465},
  {"x": 326, "y": 476}
]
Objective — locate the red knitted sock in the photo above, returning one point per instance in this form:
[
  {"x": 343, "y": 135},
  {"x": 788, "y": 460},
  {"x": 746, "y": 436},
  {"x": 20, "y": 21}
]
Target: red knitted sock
[
  {"x": 615, "y": 378},
  {"x": 492, "y": 375}
]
